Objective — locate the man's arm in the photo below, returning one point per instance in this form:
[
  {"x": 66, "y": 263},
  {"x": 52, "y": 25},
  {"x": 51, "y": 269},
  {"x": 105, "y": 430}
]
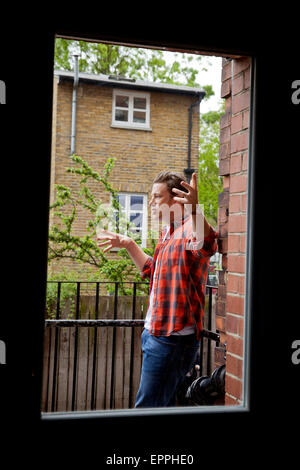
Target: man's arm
[
  {"x": 136, "y": 254},
  {"x": 115, "y": 240},
  {"x": 200, "y": 226}
]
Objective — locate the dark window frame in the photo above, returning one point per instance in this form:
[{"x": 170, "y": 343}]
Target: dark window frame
[{"x": 34, "y": 361}]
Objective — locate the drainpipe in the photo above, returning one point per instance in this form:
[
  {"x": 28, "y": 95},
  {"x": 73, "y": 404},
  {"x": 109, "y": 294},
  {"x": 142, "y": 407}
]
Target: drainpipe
[
  {"x": 189, "y": 171},
  {"x": 74, "y": 101}
]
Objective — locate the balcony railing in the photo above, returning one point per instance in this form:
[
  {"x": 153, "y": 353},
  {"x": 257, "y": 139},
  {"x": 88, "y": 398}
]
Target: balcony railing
[{"x": 92, "y": 358}]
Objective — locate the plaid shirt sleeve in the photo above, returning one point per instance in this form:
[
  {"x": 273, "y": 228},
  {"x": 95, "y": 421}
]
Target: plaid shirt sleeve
[
  {"x": 146, "y": 271},
  {"x": 203, "y": 248}
]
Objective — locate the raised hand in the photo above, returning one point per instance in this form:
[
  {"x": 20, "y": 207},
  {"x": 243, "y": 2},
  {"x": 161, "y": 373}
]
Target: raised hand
[{"x": 191, "y": 197}]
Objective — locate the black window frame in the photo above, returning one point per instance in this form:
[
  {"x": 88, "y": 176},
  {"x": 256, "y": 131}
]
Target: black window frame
[
  {"x": 245, "y": 407},
  {"x": 30, "y": 376}
]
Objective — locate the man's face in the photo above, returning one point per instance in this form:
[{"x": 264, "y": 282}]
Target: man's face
[{"x": 162, "y": 205}]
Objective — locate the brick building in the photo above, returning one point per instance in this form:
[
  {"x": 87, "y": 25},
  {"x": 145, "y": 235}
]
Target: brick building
[
  {"x": 232, "y": 221},
  {"x": 147, "y": 127}
]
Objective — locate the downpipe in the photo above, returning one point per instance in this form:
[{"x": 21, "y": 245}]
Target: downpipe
[
  {"x": 74, "y": 105},
  {"x": 189, "y": 171}
]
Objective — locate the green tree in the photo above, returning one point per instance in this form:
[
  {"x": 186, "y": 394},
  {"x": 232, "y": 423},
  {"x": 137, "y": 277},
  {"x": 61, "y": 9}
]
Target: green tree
[
  {"x": 209, "y": 181},
  {"x": 138, "y": 63},
  {"x": 63, "y": 243}
]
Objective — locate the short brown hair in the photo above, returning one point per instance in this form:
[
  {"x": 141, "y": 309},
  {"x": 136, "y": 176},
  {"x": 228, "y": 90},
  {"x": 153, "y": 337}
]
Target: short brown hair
[{"x": 172, "y": 180}]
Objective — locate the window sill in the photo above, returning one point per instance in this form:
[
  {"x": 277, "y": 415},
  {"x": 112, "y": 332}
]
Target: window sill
[{"x": 131, "y": 128}]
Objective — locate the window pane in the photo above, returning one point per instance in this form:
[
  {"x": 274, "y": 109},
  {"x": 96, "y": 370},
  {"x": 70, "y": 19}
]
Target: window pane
[
  {"x": 137, "y": 219},
  {"x": 136, "y": 203},
  {"x": 122, "y": 101},
  {"x": 116, "y": 221},
  {"x": 139, "y": 116},
  {"x": 121, "y": 115},
  {"x": 139, "y": 103},
  {"x": 121, "y": 199}
]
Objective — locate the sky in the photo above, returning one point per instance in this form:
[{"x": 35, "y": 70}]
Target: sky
[{"x": 212, "y": 77}]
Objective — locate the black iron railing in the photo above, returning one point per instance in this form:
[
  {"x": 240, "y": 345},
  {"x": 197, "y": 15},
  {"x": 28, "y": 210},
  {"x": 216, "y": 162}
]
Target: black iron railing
[{"x": 51, "y": 362}]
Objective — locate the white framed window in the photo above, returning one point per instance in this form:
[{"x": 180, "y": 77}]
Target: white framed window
[
  {"x": 134, "y": 208},
  {"x": 131, "y": 109}
]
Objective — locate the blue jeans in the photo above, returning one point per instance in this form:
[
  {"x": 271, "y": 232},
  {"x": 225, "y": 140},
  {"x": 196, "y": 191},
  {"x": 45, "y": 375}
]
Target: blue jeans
[{"x": 166, "y": 361}]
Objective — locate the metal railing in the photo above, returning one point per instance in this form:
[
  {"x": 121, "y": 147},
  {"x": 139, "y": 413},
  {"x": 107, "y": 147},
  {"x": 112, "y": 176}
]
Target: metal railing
[{"x": 77, "y": 324}]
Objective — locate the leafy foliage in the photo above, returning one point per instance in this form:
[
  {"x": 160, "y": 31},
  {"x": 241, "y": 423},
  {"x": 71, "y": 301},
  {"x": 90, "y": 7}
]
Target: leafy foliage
[
  {"x": 209, "y": 182},
  {"x": 130, "y": 62},
  {"x": 67, "y": 294},
  {"x": 63, "y": 243}
]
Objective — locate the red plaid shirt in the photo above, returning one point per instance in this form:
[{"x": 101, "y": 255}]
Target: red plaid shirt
[{"x": 179, "y": 286}]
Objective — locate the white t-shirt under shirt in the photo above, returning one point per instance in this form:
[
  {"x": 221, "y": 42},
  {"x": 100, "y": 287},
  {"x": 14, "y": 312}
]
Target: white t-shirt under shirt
[{"x": 188, "y": 330}]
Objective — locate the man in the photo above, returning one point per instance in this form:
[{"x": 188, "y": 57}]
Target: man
[{"x": 178, "y": 273}]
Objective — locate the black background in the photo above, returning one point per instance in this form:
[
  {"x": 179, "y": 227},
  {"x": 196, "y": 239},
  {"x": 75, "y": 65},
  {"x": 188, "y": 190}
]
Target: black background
[{"x": 269, "y": 430}]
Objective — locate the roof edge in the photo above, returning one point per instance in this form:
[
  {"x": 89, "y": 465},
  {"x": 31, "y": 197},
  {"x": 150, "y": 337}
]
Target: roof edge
[{"x": 125, "y": 83}]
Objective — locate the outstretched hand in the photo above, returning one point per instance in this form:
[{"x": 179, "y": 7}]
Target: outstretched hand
[{"x": 111, "y": 240}]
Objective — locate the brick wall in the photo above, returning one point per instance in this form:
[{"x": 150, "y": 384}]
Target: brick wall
[
  {"x": 233, "y": 165},
  {"x": 139, "y": 154}
]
